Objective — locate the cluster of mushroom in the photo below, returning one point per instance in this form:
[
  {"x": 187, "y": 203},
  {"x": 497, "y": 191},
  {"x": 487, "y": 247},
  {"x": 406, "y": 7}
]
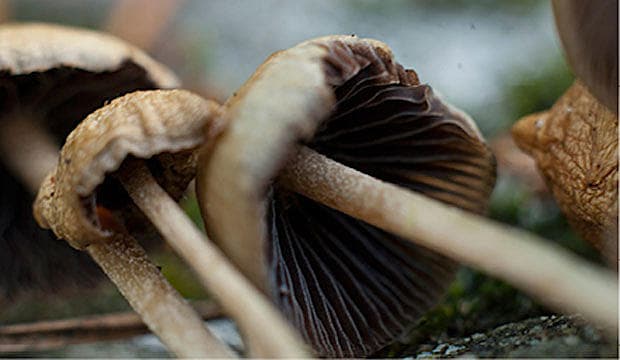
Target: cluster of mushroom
[{"x": 322, "y": 180}]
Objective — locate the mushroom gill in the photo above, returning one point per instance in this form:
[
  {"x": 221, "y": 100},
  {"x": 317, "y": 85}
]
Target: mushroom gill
[{"x": 350, "y": 287}]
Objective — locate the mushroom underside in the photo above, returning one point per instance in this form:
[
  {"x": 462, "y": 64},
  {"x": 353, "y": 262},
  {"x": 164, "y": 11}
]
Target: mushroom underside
[
  {"x": 110, "y": 208},
  {"x": 57, "y": 99},
  {"x": 349, "y": 287}
]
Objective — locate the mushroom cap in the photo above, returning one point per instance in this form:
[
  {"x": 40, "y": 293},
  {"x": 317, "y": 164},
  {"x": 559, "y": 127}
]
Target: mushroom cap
[
  {"x": 589, "y": 34},
  {"x": 349, "y": 287},
  {"x": 27, "y": 48},
  {"x": 160, "y": 126},
  {"x": 575, "y": 145},
  {"x": 57, "y": 75}
]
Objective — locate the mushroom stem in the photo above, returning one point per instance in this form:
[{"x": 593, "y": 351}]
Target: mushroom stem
[
  {"x": 27, "y": 150},
  {"x": 267, "y": 333},
  {"x": 165, "y": 312},
  {"x": 30, "y": 153},
  {"x": 546, "y": 271}
]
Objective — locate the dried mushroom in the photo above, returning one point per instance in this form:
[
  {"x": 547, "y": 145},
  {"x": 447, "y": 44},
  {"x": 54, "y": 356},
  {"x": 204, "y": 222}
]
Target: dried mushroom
[
  {"x": 88, "y": 208},
  {"x": 140, "y": 148},
  {"x": 349, "y": 287},
  {"x": 51, "y": 77},
  {"x": 575, "y": 145}
]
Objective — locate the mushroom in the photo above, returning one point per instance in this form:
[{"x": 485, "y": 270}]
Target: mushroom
[
  {"x": 141, "y": 146},
  {"x": 92, "y": 213},
  {"x": 589, "y": 34},
  {"x": 51, "y": 76},
  {"x": 575, "y": 145},
  {"x": 289, "y": 217}
]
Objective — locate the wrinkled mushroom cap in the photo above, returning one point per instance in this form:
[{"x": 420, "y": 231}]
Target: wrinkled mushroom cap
[
  {"x": 349, "y": 288},
  {"x": 163, "y": 126},
  {"x": 575, "y": 145},
  {"x": 56, "y": 76}
]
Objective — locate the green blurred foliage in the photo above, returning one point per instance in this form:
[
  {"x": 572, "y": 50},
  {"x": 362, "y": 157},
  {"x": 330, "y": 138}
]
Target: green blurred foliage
[
  {"x": 179, "y": 274},
  {"x": 532, "y": 90}
]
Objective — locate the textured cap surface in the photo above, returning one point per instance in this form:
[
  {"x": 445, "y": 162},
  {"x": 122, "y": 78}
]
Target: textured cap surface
[
  {"x": 575, "y": 145},
  {"x": 164, "y": 126}
]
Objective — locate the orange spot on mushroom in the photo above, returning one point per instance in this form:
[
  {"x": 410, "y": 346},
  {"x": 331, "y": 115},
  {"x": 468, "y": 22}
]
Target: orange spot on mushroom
[{"x": 107, "y": 220}]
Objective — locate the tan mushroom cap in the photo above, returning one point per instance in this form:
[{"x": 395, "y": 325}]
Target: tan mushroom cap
[
  {"x": 37, "y": 47},
  {"x": 575, "y": 145},
  {"x": 291, "y": 100},
  {"x": 164, "y": 126}
]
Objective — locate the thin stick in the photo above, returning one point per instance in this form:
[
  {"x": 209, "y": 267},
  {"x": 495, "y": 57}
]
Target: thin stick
[
  {"x": 267, "y": 333},
  {"x": 51, "y": 334},
  {"x": 545, "y": 271},
  {"x": 24, "y": 146},
  {"x": 140, "y": 22}
]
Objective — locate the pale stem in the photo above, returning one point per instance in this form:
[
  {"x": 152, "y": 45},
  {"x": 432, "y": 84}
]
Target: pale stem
[
  {"x": 545, "y": 271},
  {"x": 140, "y": 22},
  {"x": 266, "y": 331},
  {"x": 164, "y": 311},
  {"x": 31, "y": 153}
]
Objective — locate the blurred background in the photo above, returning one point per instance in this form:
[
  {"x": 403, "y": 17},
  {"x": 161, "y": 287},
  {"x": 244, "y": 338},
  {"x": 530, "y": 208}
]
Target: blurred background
[{"x": 497, "y": 60}]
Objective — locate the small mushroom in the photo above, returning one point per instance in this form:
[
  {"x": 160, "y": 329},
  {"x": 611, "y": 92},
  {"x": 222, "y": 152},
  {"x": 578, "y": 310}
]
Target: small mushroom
[
  {"x": 589, "y": 34},
  {"x": 575, "y": 145},
  {"x": 140, "y": 146},
  {"x": 51, "y": 77},
  {"x": 346, "y": 247},
  {"x": 93, "y": 213}
]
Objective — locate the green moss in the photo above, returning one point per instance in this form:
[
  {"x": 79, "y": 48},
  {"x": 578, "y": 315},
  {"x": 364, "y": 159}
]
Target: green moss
[{"x": 180, "y": 276}]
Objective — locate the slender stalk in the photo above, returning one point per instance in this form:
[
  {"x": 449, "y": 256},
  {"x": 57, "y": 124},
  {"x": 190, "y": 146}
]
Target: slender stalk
[
  {"x": 545, "y": 271},
  {"x": 31, "y": 153},
  {"x": 164, "y": 311},
  {"x": 140, "y": 22},
  {"x": 267, "y": 333}
]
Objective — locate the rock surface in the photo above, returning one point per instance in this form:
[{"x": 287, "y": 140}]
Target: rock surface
[{"x": 544, "y": 336}]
